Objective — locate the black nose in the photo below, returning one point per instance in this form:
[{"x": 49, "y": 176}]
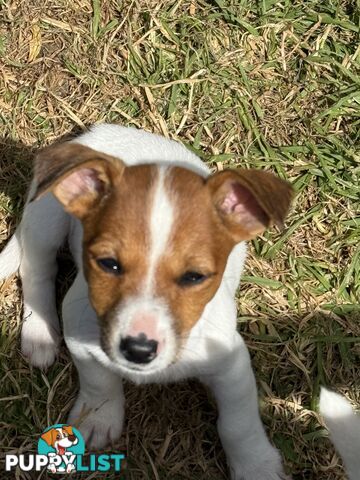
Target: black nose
[{"x": 138, "y": 349}]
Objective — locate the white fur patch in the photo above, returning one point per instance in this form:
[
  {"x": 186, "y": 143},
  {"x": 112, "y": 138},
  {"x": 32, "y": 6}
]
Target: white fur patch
[
  {"x": 333, "y": 406},
  {"x": 161, "y": 222}
]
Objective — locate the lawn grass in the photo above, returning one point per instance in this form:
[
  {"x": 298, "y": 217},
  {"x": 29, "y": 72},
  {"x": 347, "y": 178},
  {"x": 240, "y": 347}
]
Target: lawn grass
[{"x": 266, "y": 84}]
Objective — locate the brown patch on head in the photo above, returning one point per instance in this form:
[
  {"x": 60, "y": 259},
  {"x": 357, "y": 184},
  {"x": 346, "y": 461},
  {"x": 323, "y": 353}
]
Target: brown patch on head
[{"x": 120, "y": 230}]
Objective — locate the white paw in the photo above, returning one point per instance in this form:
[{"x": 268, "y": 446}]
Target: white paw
[
  {"x": 266, "y": 467},
  {"x": 100, "y": 424},
  {"x": 39, "y": 342},
  {"x": 258, "y": 474}
]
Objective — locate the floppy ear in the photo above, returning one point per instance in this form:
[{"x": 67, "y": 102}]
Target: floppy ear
[
  {"x": 49, "y": 436},
  {"x": 249, "y": 201},
  {"x": 68, "y": 429},
  {"x": 78, "y": 176}
]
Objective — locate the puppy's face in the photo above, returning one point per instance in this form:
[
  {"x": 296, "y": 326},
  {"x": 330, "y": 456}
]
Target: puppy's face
[
  {"x": 156, "y": 242},
  {"x": 154, "y": 256}
]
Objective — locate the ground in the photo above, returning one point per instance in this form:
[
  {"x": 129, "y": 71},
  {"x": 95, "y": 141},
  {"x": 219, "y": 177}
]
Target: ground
[{"x": 267, "y": 84}]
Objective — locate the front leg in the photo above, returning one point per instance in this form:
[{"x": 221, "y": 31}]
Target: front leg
[
  {"x": 43, "y": 230},
  {"x": 98, "y": 411},
  {"x": 249, "y": 453}
]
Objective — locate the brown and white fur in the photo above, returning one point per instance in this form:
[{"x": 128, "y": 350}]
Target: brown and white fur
[{"x": 159, "y": 247}]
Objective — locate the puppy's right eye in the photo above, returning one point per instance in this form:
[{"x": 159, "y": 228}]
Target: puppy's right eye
[
  {"x": 188, "y": 279},
  {"x": 110, "y": 265}
]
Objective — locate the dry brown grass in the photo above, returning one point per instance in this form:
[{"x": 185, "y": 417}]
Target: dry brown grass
[{"x": 271, "y": 85}]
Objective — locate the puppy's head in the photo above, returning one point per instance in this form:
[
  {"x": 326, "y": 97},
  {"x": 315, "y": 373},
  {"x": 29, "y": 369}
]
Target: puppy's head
[{"x": 156, "y": 241}]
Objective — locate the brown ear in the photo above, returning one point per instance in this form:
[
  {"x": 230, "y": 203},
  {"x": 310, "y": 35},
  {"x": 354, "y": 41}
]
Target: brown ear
[
  {"x": 78, "y": 176},
  {"x": 49, "y": 436},
  {"x": 68, "y": 429},
  {"x": 249, "y": 201}
]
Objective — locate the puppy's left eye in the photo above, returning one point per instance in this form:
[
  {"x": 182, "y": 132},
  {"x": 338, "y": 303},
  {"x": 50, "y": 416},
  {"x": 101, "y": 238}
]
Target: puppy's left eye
[
  {"x": 191, "y": 278},
  {"x": 110, "y": 265}
]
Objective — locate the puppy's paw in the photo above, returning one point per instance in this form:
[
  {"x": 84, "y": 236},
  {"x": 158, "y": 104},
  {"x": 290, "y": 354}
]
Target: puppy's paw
[
  {"x": 264, "y": 467},
  {"x": 39, "y": 342},
  {"x": 259, "y": 474},
  {"x": 101, "y": 424}
]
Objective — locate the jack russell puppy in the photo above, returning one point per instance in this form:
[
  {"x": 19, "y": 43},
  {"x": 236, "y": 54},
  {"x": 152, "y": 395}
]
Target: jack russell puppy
[{"x": 159, "y": 245}]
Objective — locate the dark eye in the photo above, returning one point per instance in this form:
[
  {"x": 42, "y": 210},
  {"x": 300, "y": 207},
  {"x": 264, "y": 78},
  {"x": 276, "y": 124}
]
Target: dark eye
[
  {"x": 191, "y": 278},
  {"x": 110, "y": 265}
]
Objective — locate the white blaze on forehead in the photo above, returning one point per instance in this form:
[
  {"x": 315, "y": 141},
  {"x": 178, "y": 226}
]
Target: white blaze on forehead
[{"x": 161, "y": 222}]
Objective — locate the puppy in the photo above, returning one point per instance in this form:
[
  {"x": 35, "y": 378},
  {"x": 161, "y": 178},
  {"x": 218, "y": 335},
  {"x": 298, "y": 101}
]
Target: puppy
[
  {"x": 344, "y": 427},
  {"x": 159, "y": 245}
]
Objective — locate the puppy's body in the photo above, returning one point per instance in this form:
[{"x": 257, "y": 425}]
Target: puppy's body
[{"x": 176, "y": 221}]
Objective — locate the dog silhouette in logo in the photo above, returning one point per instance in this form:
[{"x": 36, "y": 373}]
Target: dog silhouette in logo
[{"x": 60, "y": 438}]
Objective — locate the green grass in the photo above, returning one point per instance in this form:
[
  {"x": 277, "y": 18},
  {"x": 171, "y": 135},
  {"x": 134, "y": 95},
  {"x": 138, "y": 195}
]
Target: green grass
[{"x": 264, "y": 84}]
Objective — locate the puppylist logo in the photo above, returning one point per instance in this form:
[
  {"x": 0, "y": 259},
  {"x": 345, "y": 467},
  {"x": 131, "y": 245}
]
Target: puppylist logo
[{"x": 61, "y": 449}]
